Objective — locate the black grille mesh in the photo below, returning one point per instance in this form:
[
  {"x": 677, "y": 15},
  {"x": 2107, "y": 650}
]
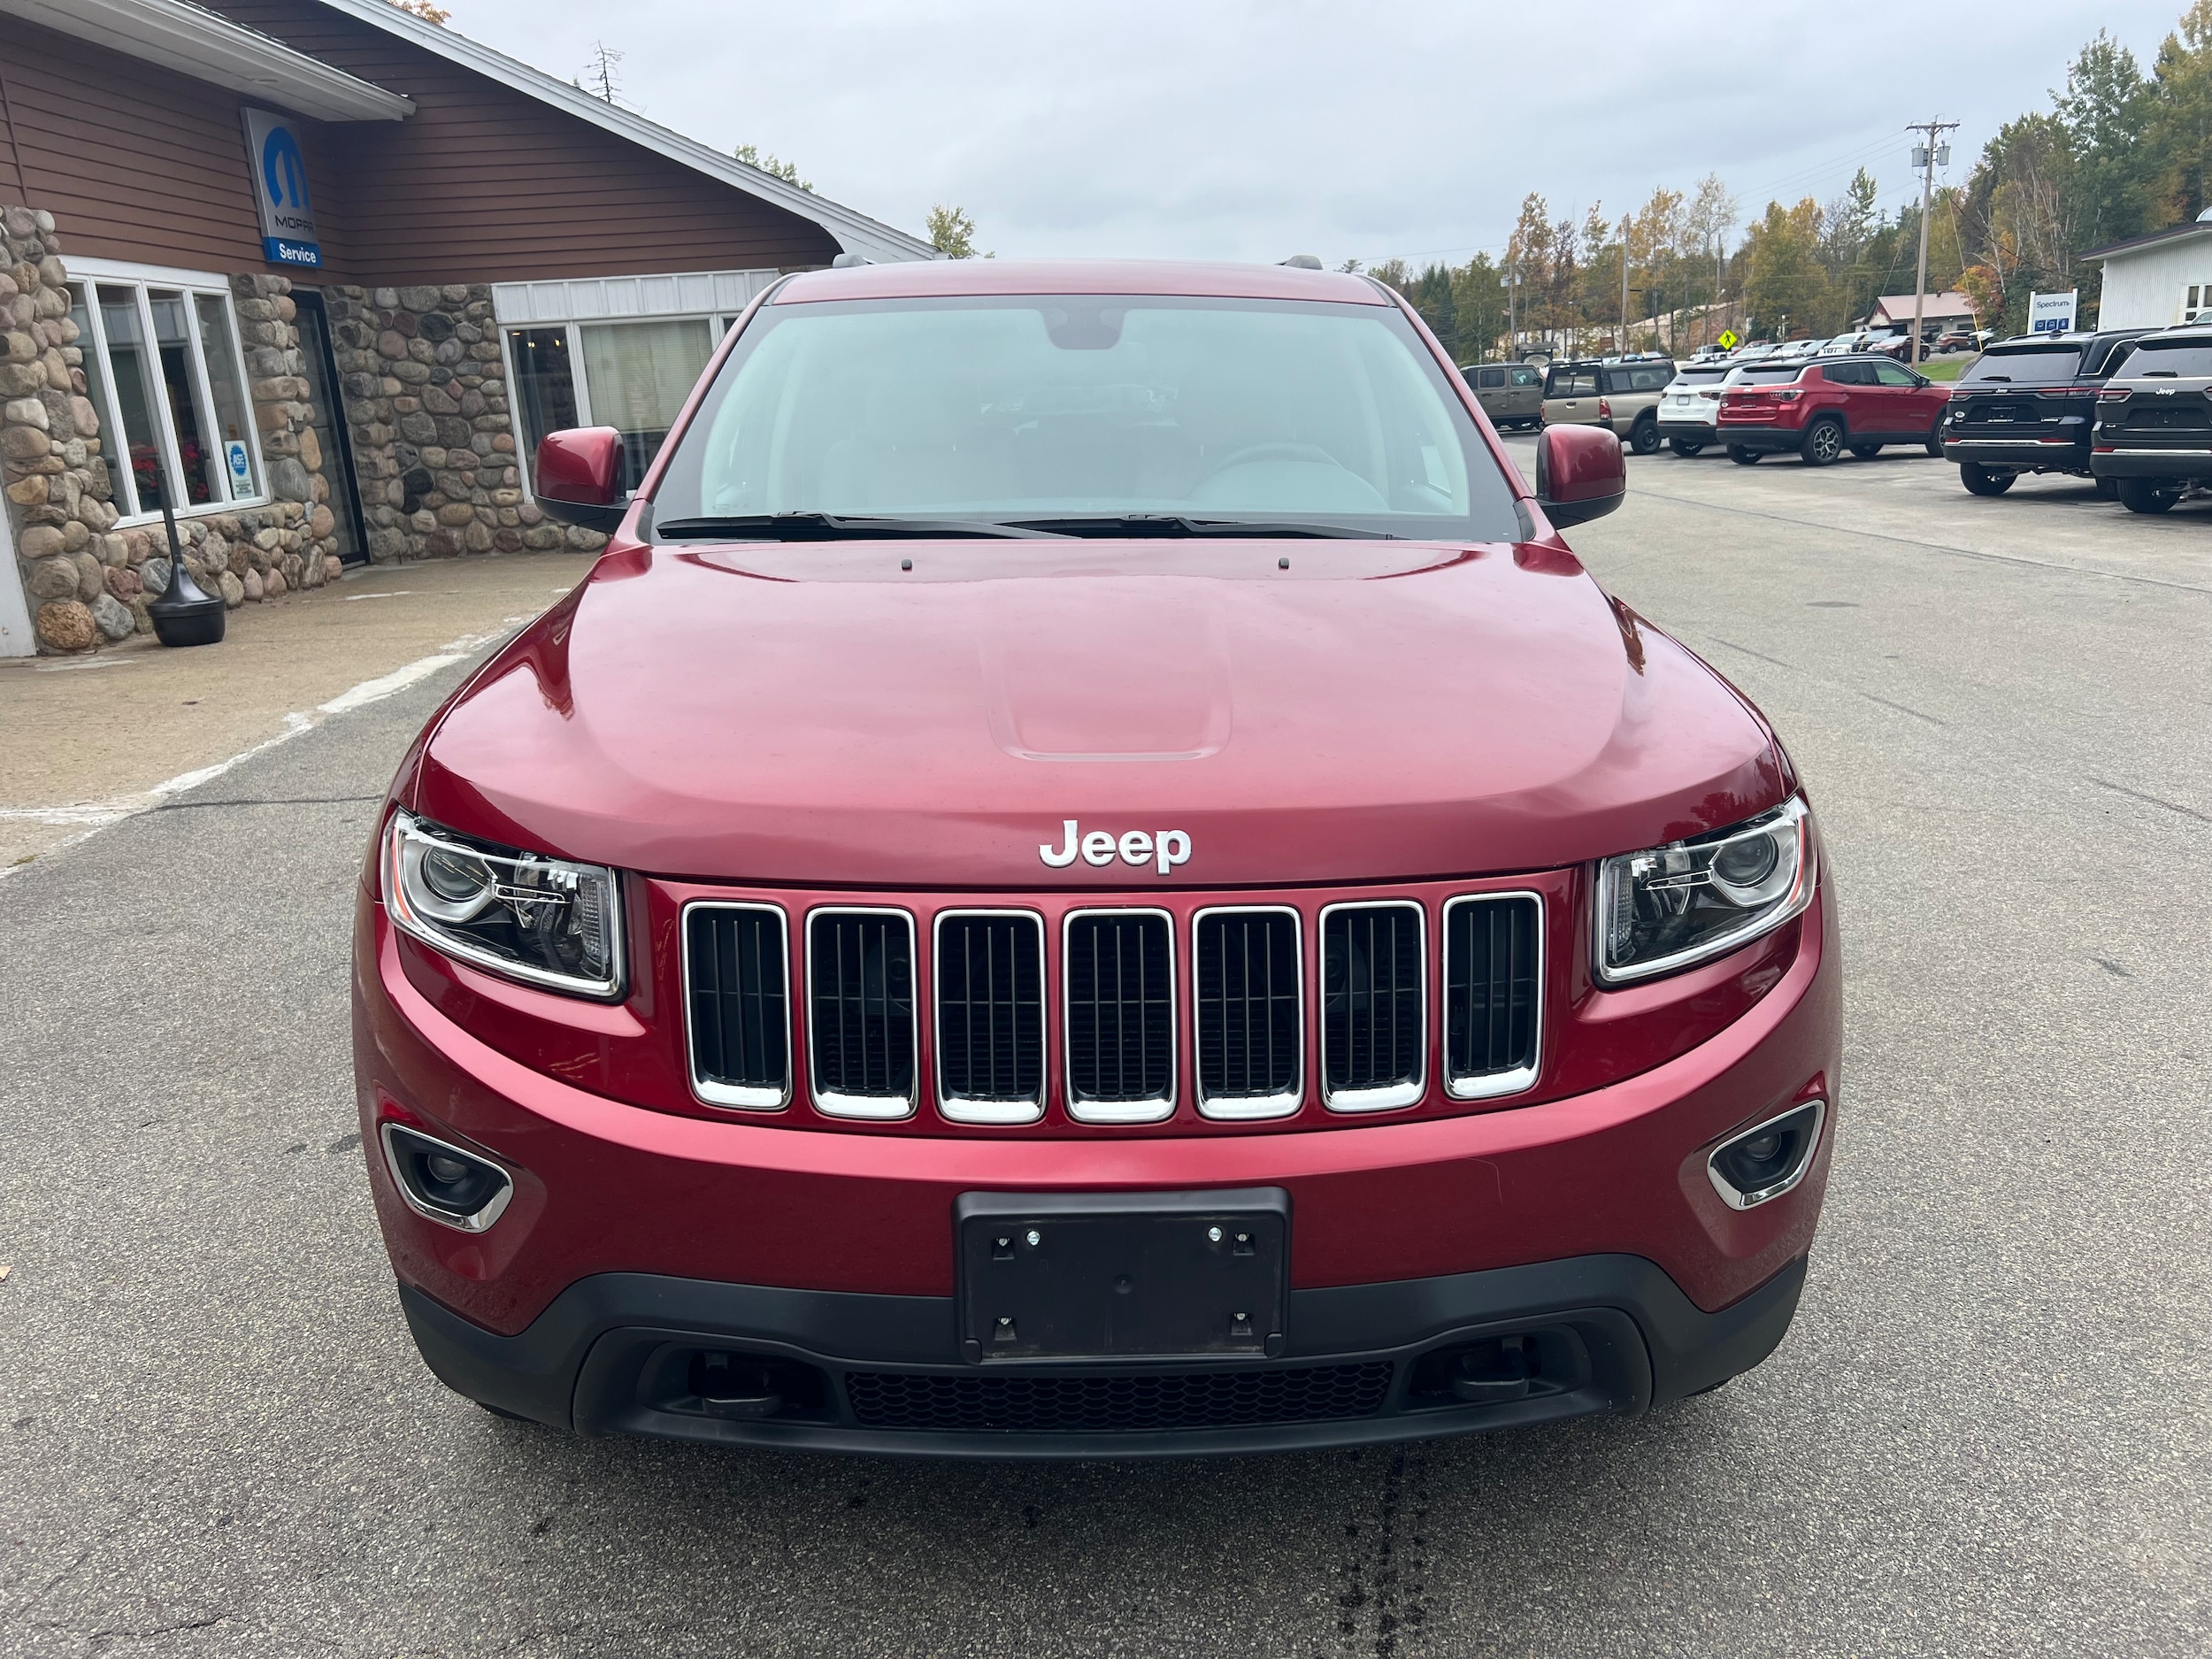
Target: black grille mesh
[
  {"x": 1490, "y": 989},
  {"x": 1092, "y": 1405},
  {"x": 990, "y": 1008},
  {"x": 1246, "y": 964},
  {"x": 741, "y": 1016},
  {"x": 1120, "y": 1034},
  {"x": 861, "y": 995},
  {"x": 1371, "y": 995}
]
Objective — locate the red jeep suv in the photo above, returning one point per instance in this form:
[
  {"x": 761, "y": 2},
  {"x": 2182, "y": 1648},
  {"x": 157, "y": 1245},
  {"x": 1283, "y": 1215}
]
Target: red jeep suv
[
  {"x": 1819, "y": 409},
  {"x": 1087, "y": 875}
]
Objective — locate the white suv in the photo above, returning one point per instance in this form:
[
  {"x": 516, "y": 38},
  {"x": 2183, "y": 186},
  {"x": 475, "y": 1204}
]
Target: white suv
[{"x": 1689, "y": 412}]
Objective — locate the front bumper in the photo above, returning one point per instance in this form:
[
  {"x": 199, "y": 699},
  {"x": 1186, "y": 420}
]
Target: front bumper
[
  {"x": 1766, "y": 440},
  {"x": 2194, "y": 465},
  {"x": 2018, "y": 455},
  {"x": 624, "y": 1353}
]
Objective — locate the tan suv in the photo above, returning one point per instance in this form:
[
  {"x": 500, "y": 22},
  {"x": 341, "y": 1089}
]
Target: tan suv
[
  {"x": 1511, "y": 394},
  {"x": 1620, "y": 394}
]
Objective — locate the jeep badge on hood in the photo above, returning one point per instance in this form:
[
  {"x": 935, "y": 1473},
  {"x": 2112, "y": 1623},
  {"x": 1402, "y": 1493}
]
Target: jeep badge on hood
[{"x": 1165, "y": 848}]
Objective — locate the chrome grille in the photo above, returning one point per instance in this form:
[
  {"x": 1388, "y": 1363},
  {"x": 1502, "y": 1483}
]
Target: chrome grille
[
  {"x": 1372, "y": 1006},
  {"x": 1120, "y": 979},
  {"x": 1247, "y": 969},
  {"x": 1494, "y": 963},
  {"x": 739, "y": 1005},
  {"x": 990, "y": 1016},
  {"x": 860, "y": 991}
]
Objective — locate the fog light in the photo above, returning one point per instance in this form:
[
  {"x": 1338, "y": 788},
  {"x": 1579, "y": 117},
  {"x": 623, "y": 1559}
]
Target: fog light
[
  {"x": 457, "y": 1188},
  {"x": 1767, "y": 1160}
]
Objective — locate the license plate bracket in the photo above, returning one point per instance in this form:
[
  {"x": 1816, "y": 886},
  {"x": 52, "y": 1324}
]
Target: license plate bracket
[{"x": 1123, "y": 1276}]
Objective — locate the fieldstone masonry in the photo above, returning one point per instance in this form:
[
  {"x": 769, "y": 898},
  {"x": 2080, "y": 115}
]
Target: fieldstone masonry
[
  {"x": 433, "y": 441},
  {"x": 425, "y": 398}
]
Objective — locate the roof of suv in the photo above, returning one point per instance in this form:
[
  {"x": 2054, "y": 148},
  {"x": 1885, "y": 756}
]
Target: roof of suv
[{"x": 926, "y": 279}]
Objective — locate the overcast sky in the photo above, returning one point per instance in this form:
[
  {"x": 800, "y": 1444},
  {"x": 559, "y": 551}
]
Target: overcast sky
[{"x": 1251, "y": 129}]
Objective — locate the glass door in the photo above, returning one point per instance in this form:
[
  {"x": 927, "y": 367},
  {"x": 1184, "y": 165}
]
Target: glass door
[{"x": 328, "y": 424}]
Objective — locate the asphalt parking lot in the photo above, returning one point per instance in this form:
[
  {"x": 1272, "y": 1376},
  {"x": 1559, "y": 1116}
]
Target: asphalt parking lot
[{"x": 1989, "y": 1432}]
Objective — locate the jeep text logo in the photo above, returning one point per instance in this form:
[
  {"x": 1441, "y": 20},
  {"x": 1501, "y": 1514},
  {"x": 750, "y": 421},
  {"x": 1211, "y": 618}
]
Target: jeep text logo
[{"x": 1164, "y": 849}]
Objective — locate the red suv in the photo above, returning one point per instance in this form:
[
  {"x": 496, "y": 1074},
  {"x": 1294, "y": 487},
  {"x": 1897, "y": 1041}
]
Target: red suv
[
  {"x": 1820, "y": 408},
  {"x": 1087, "y": 875}
]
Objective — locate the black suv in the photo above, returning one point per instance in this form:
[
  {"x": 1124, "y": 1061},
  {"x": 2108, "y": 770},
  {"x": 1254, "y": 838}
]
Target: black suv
[
  {"x": 2154, "y": 431},
  {"x": 2026, "y": 405}
]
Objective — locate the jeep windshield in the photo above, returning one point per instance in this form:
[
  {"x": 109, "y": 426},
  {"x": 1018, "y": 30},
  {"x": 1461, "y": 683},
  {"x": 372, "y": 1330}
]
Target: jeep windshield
[{"x": 1082, "y": 415}]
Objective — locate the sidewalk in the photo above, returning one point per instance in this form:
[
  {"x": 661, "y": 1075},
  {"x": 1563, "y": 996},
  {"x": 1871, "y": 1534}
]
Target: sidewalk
[{"x": 86, "y": 741}]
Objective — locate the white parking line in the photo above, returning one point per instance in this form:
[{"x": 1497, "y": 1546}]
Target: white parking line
[{"x": 96, "y": 816}]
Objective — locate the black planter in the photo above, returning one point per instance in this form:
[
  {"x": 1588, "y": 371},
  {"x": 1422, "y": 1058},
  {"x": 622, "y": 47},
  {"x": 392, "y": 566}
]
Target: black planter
[{"x": 186, "y": 613}]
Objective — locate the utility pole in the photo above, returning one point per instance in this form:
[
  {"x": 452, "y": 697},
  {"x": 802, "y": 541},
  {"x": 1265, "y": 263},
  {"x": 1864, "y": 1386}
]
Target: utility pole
[
  {"x": 1927, "y": 156},
  {"x": 1512, "y": 312},
  {"x": 1625, "y": 223}
]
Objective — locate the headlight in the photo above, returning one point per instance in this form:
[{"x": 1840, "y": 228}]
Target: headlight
[
  {"x": 1690, "y": 900},
  {"x": 544, "y": 920}
]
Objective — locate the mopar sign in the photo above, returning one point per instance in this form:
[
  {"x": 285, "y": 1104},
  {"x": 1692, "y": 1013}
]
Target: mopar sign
[
  {"x": 279, "y": 190},
  {"x": 2052, "y": 313}
]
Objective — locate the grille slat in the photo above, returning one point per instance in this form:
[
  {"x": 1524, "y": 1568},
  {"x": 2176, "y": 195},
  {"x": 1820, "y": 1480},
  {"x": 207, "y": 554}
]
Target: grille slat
[
  {"x": 990, "y": 1017},
  {"x": 1119, "y": 974},
  {"x": 1493, "y": 993},
  {"x": 739, "y": 1005},
  {"x": 861, "y": 1013},
  {"x": 1372, "y": 1006},
  {"x": 1128, "y": 1404},
  {"x": 1247, "y": 969}
]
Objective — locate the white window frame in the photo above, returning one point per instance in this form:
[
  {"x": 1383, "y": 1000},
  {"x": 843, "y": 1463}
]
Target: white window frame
[
  {"x": 90, "y": 275},
  {"x": 568, "y": 304}
]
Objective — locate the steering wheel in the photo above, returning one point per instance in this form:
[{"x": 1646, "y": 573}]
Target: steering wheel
[{"x": 1272, "y": 452}]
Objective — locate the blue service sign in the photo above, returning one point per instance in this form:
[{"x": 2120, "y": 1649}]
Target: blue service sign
[
  {"x": 240, "y": 466},
  {"x": 280, "y": 190}
]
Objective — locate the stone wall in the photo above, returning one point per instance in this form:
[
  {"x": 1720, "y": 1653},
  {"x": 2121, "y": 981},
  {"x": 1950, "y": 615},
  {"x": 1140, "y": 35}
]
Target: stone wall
[
  {"x": 432, "y": 427},
  {"x": 75, "y": 569},
  {"x": 87, "y": 581}
]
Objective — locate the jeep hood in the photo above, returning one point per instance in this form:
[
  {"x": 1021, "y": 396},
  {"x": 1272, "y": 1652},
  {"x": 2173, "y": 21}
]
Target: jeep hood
[{"x": 820, "y": 713}]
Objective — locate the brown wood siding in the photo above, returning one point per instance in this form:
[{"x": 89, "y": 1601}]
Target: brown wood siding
[
  {"x": 134, "y": 162},
  {"x": 484, "y": 184}
]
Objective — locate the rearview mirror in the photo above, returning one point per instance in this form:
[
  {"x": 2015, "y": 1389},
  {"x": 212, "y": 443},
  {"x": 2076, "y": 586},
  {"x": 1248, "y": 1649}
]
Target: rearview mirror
[
  {"x": 579, "y": 477},
  {"x": 1579, "y": 474}
]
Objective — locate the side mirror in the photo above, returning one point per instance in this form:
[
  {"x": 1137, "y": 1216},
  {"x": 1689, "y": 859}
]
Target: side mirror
[
  {"x": 1579, "y": 474},
  {"x": 579, "y": 477}
]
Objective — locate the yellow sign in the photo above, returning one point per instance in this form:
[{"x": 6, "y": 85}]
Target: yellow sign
[{"x": 1729, "y": 340}]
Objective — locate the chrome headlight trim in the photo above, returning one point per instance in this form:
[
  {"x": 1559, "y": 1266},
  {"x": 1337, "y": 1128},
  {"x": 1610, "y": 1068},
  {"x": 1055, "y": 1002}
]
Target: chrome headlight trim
[
  {"x": 1789, "y": 904},
  {"x": 407, "y": 841}
]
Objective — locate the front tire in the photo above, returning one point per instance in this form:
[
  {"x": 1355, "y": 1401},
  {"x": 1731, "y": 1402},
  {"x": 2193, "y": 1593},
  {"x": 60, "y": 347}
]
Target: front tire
[
  {"x": 1979, "y": 480},
  {"x": 1742, "y": 456},
  {"x": 1643, "y": 437},
  {"x": 1823, "y": 443},
  {"x": 1685, "y": 447},
  {"x": 2148, "y": 494}
]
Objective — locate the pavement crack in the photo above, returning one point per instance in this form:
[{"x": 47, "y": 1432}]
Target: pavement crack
[
  {"x": 2171, "y": 806},
  {"x": 1903, "y": 709},
  {"x": 1748, "y": 651},
  {"x": 300, "y": 800},
  {"x": 2112, "y": 967}
]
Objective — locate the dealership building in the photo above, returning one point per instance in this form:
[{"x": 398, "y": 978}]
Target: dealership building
[{"x": 320, "y": 274}]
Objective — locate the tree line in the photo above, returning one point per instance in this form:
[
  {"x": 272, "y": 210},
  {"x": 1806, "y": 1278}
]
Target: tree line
[{"x": 2120, "y": 152}]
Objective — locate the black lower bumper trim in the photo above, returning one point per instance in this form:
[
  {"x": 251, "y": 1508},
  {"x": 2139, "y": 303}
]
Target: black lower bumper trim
[
  {"x": 826, "y": 1371},
  {"x": 2189, "y": 466},
  {"x": 2019, "y": 456}
]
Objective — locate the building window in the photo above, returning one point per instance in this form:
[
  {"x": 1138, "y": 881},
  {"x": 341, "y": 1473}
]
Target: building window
[
  {"x": 632, "y": 376},
  {"x": 164, "y": 371}
]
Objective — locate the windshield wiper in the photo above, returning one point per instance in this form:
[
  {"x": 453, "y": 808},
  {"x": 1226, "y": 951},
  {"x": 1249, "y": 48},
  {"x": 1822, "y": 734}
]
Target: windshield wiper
[
  {"x": 1176, "y": 524},
  {"x": 832, "y": 527}
]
